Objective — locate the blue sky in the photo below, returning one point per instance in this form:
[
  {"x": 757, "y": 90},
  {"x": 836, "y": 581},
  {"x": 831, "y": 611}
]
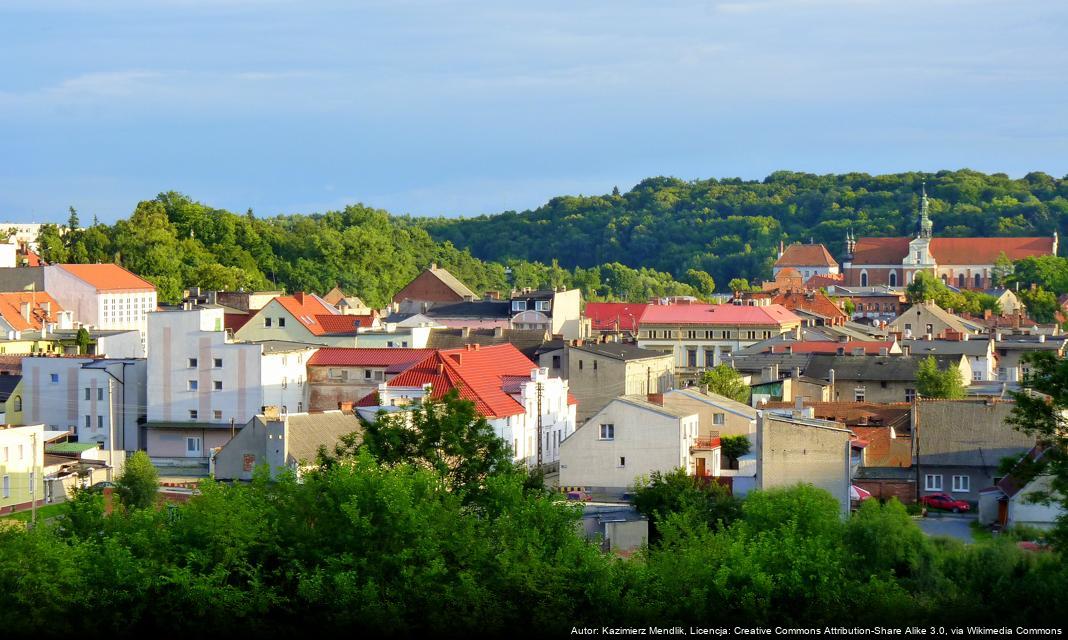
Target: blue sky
[{"x": 462, "y": 108}]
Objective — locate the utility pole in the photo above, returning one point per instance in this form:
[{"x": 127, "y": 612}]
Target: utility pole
[
  {"x": 33, "y": 480},
  {"x": 539, "y": 390}
]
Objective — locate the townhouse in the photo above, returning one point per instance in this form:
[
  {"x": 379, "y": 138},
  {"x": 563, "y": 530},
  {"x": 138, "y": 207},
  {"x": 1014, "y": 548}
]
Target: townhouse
[{"x": 338, "y": 375}]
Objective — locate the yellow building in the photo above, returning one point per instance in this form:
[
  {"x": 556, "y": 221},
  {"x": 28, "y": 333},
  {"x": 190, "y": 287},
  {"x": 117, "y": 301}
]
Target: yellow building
[
  {"x": 11, "y": 399},
  {"x": 21, "y": 476}
]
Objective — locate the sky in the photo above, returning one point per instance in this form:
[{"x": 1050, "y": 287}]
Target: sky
[{"x": 443, "y": 107}]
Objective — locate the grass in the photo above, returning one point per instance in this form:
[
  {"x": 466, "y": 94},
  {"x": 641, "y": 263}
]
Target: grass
[{"x": 43, "y": 513}]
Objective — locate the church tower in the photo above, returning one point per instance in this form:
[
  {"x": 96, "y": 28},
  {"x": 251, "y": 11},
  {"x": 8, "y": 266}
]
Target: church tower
[{"x": 925, "y": 221}]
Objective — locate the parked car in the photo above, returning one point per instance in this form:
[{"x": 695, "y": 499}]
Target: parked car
[
  {"x": 946, "y": 502},
  {"x": 581, "y": 496}
]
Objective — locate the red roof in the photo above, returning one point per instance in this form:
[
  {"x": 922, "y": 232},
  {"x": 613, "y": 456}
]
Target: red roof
[
  {"x": 310, "y": 310},
  {"x": 815, "y": 301},
  {"x": 987, "y": 250},
  {"x": 871, "y": 347},
  {"x": 366, "y": 357},
  {"x": 234, "y": 321},
  {"x": 948, "y": 251},
  {"x": 881, "y": 250},
  {"x": 342, "y": 323},
  {"x": 825, "y": 280},
  {"x": 718, "y": 314},
  {"x": 806, "y": 255},
  {"x": 606, "y": 316},
  {"x": 107, "y": 277},
  {"x": 11, "y": 309},
  {"x": 480, "y": 374}
]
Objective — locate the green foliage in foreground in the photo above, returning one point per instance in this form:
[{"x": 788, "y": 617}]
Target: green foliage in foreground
[{"x": 401, "y": 548}]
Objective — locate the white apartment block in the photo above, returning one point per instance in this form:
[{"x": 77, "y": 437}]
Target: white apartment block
[{"x": 104, "y": 296}]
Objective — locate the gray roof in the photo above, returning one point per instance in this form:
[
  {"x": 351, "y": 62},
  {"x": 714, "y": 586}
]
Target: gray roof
[
  {"x": 309, "y": 431},
  {"x": 284, "y": 346},
  {"x": 972, "y": 347},
  {"x": 20, "y": 278},
  {"x": 887, "y": 368},
  {"x": 621, "y": 351},
  {"x": 972, "y": 433},
  {"x": 7, "y": 386},
  {"x": 474, "y": 309},
  {"x": 1030, "y": 343},
  {"x": 786, "y": 361},
  {"x": 451, "y": 282},
  {"x": 640, "y": 401},
  {"x": 711, "y": 398}
]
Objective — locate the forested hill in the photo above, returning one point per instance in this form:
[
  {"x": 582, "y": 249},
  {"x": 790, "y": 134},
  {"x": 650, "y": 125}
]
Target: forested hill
[{"x": 731, "y": 227}]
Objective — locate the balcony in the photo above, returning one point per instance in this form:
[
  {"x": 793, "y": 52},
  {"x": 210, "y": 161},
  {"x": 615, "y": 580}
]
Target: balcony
[{"x": 705, "y": 443}]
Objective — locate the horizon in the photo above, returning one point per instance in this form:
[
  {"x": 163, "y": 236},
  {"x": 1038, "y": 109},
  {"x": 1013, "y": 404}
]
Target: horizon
[{"x": 446, "y": 108}]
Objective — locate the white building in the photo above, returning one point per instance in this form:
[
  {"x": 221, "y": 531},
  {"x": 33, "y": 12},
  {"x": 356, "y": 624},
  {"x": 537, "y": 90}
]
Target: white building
[
  {"x": 631, "y": 438},
  {"x": 506, "y": 387},
  {"x": 101, "y": 400},
  {"x": 22, "y": 232},
  {"x": 202, "y": 385},
  {"x": 104, "y": 296}
]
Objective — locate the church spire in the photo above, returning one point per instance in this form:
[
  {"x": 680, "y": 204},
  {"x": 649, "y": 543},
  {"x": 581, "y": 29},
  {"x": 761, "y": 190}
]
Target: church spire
[{"x": 925, "y": 221}]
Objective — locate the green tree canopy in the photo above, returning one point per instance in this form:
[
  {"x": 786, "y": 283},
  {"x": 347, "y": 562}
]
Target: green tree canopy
[
  {"x": 725, "y": 381},
  {"x": 138, "y": 484},
  {"x": 932, "y": 382}
]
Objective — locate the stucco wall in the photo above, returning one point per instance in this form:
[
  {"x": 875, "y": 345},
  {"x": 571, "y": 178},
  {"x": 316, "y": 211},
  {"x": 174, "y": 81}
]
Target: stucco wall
[{"x": 791, "y": 452}]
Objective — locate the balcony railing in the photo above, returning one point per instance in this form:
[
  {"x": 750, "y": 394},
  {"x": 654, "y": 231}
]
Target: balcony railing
[{"x": 706, "y": 443}]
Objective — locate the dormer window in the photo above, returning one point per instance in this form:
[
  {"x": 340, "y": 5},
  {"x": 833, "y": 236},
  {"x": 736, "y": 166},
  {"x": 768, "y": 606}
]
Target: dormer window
[
  {"x": 541, "y": 305},
  {"x": 519, "y": 305}
]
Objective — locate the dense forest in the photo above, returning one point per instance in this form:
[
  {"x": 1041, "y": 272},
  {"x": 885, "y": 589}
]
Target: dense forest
[
  {"x": 393, "y": 536},
  {"x": 663, "y": 237}
]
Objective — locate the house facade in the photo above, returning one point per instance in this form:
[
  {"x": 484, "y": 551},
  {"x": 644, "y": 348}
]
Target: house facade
[
  {"x": 202, "y": 385},
  {"x": 304, "y": 317},
  {"x": 599, "y": 372},
  {"x": 105, "y": 296},
  {"x": 878, "y": 378},
  {"x": 928, "y": 319},
  {"x": 21, "y": 460},
  {"x": 792, "y": 450},
  {"x": 338, "y": 375},
  {"x": 808, "y": 259},
  {"x": 435, "y": 285}
]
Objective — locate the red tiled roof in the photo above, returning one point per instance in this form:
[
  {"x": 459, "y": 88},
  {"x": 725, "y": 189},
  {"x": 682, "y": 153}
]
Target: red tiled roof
[
  {"x": 871, "y": 347},
  {"x": 987, "y": 250},
  {"x": 604, "y": 315},
  {"x": 881, "y": 250},
  {"x": 31, "y": 258},
  {"x": 478, "y": 374},
  {"x": 308, "y": 310},
  {"x": 107, "y": 277},
  {"x": 342, "y": 323},
  {"x": 718, "y": 314},
  {"x": 366, "y": 357},
  {"x": 806, "y": 255},
  {"x": 825, "y": 280},
  {"x": 816, "y": 302},
  {"x": 11, "y": 309}
]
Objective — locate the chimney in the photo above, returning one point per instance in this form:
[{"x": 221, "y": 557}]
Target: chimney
[
  {"x": 906, "y": 349},
  {"x": 656, "y": 398},
  {"x": 987, "y": 314},
  {"x": 345, "y": 406},
  {"x": 441, "y": 367},
  {"x": 299, "y": 297},
  {"x": 843, "y": 338},
  {"x": 465, "y": 332},
  {"x": 775, "y": 371},
  {"x": 927, "y": 336},
  {"x": 1041, "y": 337},
  {"x": 796, "y": 373},
  {"x": 493, "y": 295},
  {"x": 433, "y": 265}
]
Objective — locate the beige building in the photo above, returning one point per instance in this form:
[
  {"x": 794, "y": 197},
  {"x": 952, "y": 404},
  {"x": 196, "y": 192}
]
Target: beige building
[
  {"x": 879, "y": 378},
  {"x": 927, "y": 318},
  {"x": 719, "y": 415},
  {"x": 630, "y": 438},
  {"x": 793, "y": 450},
  {"x": 597, "y": 373}
]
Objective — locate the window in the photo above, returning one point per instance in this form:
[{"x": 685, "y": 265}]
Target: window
[
  {"x": 556, "y": 362},
  {"x": 267, "y": 321},
  {"x": 962, "y": 484},
  {"x": 285, "y": 382},
  {"x": 858, "y": 394},
  {"x": 6, "y": 453},
  {"x": 608, "y": 432},
  {"x": 366, "y": 374},
  {"x": 932, "y": 482},
  {"x": 622, "y": 461},
  {"x": 542, "y": 305},
  {"x": 100, "y": 393},
  {"x": 192, "y": 445},
  {"x": 22, "y": 452},
  {"x": 908, "y": 326},
  {"x": 216, "y": 385},
  {"x": 281, "y": 322},
  {"x": 88, "y": 422},
  {"x": 691, "y": 357},
  {"x": 519, "y": 305},
  {"x": 863, "y": 278},
  {"x": 217, "y": 414},
  {"x": 594, "y": 365},
  {"x": 217, "y": 363},
  {"x": 580, "y": 365},
  {"x": 910, "y": 394},
  {"x": 192, "y": 414},
  {"x": 977, "y": 375},
  {"x": 718, "y": 418},
  {"x": 978, "y": 281},
  {"x": 710, "y": 357},
  {"x": 191, "y": 385},
  {"x": 7, "y": 486},
  {"x": 87, "y": 390},
  {"x": 100, "y": 422},
  {"x": 300, "y": 407},
  {"x": 893, "y": 278},
  {"x": 193, "y": 363},
  {"x": 380, "y": 375},
  {"x": 54, "y": 377},
  {"x": 18, "y": 403}
]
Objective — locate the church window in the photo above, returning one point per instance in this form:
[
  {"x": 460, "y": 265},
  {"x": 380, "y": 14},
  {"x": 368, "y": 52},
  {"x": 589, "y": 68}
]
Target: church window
[
  {"x": 893, "y": 278},
  {"x": 960, "y": 281},
  {"x": 978, "y": 281}
]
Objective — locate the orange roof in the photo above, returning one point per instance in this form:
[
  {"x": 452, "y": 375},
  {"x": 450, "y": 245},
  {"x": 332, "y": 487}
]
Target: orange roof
[
  {"x": 788, "y": 272},
  {"x": 825, "y": 280},
  {"x": 107, "y": 277},
  {"x": 309, "y": 310},
  {"x": 479, "y": 374},
  {"x": 806, "y": 255},
  {"x": 815, "y": 302},
  {"x": 881, "y": 250},
  {"x": 987, "y": 250},
  {"x": 11, "y": 309}
]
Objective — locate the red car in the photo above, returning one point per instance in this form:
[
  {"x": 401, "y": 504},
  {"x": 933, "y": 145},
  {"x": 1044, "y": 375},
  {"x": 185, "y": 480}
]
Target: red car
[
  {"x": 581, "y": 496},
  {"x": 945, "y": 501}
]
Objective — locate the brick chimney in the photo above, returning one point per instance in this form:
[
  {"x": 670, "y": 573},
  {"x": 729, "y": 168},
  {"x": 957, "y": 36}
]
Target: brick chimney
[
  {"x": 346, "y": 406},
  {"x": 656, "y": 398},
  {"x": 299, "y": 297}
]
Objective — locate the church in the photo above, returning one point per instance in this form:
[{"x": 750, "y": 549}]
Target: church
[{"x": 965, "y": 263}]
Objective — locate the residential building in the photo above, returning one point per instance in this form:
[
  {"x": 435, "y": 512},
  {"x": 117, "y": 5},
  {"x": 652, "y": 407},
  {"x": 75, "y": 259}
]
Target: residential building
[
  {"x": 809, "y": 259},
  {"x": 104, "y": 296},
  {"x": 961, "y": 262},
  {"x": 1019, "y": 500},
  {"x": 841, "y": 347},
  {"x": 960, "y": 443},
  {"x": 11, "y": 394},
  {"x": 815, "y": 302},
  {"x": 337, "y": 375},
  {"x": 284, "y": 442},
  {"x": 928, "y": 319},
  {"x": 391, "y": 336},
  {"x": 109, "y": 343},
  {"x": 878, "y": 378},
  {"x": 631, "y": 437},
  {"x": 557, "y": 312},
  {"x": 791, "y": 450},
  {"x": 599, "y": 372},
  {"x": 21, "y": 460},
  {"x": 979, "y": 350},
  {"x": 772, "y": 387},
  {"x": 202, "y": 384},
  {"x": 101, "y": 400},
  {"x": 872, "y": 304},
  {"x": 703, "y": 335},
  {"x": 25, "y": 232},
  {"x": 1011, "y": 349},
  {"x": 27, "y": 311},
  {"x": 718, "y": 415},
  {"x": 518, "y": 398},
  {"x": 304, "y": 317},
  {"x": 435, "y": 285}
]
